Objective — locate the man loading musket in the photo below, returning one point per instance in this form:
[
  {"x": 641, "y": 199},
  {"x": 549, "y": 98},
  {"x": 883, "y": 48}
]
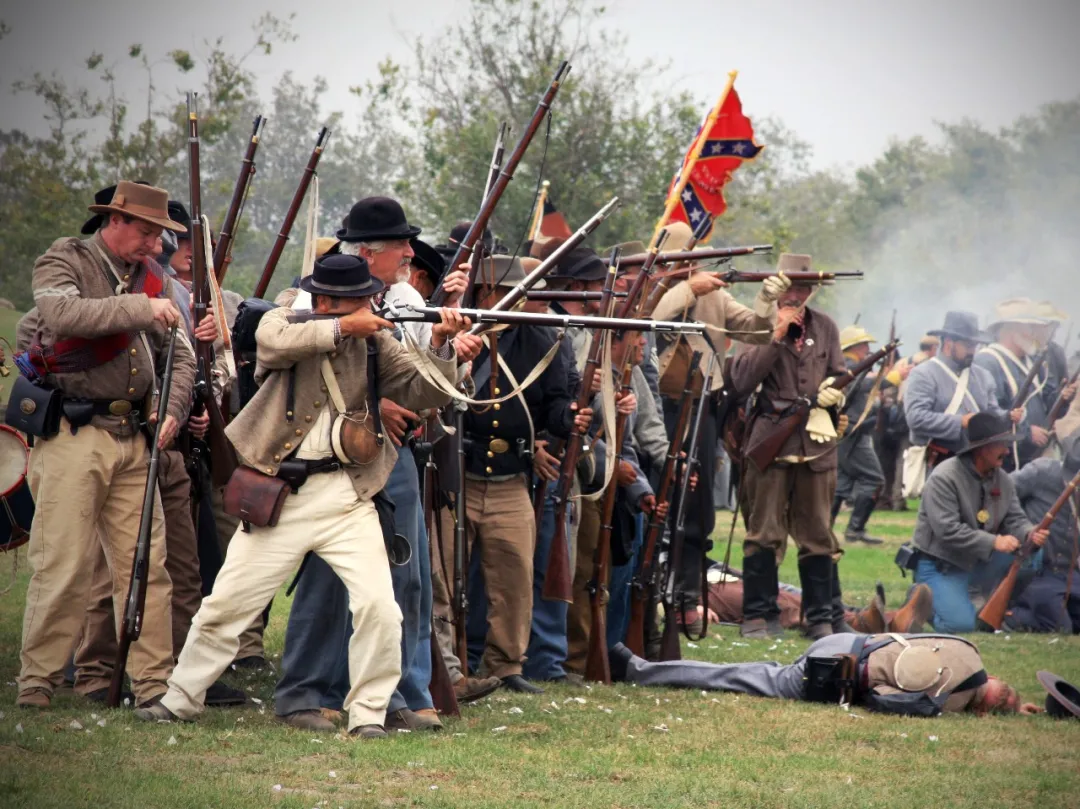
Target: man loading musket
[{"x": 314, "y": 455}]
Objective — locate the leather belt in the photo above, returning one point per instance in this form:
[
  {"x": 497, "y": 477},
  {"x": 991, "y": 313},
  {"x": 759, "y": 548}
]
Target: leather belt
[
  {"x": 496, "y": 446},
  {"x": 108, "y": 407}
]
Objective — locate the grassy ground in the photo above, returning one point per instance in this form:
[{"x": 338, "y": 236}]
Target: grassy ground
[
  {"x": 8, "y": 320},
  {"x": 602, "y": 747}
]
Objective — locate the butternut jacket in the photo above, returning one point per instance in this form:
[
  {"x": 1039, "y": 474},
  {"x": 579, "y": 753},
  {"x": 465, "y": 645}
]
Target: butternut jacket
[{"x": 263, "y": 432}]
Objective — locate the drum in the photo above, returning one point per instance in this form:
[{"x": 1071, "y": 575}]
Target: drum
[{"x": 16, "y": 504}]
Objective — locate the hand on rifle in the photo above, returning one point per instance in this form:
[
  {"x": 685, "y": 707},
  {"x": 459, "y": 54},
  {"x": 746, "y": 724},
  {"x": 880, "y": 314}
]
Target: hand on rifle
[
  {"x": 786, "y": 317},
  {"x": 842, "y": 422},
  {"x": 702, "y": 283},
  {"x": 467, "y": 347},
  {"x": 165, "y": 312},
  {"x": 1040, "y": 436},
  {"x": 198, "y": 425},
  {"x": 625, "y": 474},
  {"x": 207, "y": 330},
  {"x": 545, "y": 464},
  {"x": 395, "y": 419},
  {"x": 1006, "y": 543},
  {"x": 451, "y": 325},
  {"x": 1038, "y": 536},
  {"x": 169, "y": 430},
  {"x": 647, "y": 504},
  {"x": 1017, "y": 415},
  {"x": 362, "y": 323},
  {"x": 625, "y": 403},
  {"x": 828, "y": 396},
  {"x": 582, "y": 418},
  {"x": 1069, "y": 393},
  {"x": 693, "y": 481},
  {"x": 455, "y": 284}
]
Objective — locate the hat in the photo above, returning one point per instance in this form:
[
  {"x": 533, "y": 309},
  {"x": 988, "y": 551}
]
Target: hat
[
  {"x": 374, "y": 219},
  {"x": 508, "y": 272},
  {"x": 798, "y": 262},
  {"x": 155, "y": 213},
  {"x": 928, "y": 341},
  {"x": 679, "y": 235},
  {"x": 986, "y": 428},
  {"x": 324, "y": 244},
  {"x": 1048, "y": 311},
  {"x": 459, "y": 231},
  {"x": 962, "y": 326},
  {"x": 853, "y": 335},
  {"x": 428, "y": 259},
  {"x": 1017, "y": 310},
  {"x": 178, "y": 213},
  {"x": 1062, "y": 698},
  {"x": 626, "y": 249},
  {"x": 341, "y": 276},
  {"x": 581, "y": 264}
]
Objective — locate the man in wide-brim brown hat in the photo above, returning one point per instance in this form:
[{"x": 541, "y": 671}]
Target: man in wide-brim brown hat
[{"x": 105, "y": 311}]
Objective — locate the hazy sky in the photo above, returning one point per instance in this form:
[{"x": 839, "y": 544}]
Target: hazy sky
[{"x": 845, "y": 75}]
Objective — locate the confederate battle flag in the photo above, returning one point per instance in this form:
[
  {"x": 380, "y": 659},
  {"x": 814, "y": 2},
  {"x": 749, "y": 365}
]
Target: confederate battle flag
[{"x": 728, "y": 142}]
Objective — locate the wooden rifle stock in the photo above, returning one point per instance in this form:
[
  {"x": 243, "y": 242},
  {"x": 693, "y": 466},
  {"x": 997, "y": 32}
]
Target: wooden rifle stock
[
  {"x": 597, "y": 664},
  {"x": 993, "y": 612},
  {"x": 506, "y": 174},
  {"x": 559, "y": 575},
  {"x": 131, "y": 626},
  {"x": 291, "y": 214},
  {"x": 765, "y": 451},
  {"x": 641, "y": 586},
  {"x": 223, "y": 251}
]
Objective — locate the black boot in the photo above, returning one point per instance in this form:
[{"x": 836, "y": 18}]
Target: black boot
[
  {"x": 860, "y": 514},
  {"x": 839, "y": 621},
  {"x": 772, "y": 620},
  {"x": 815, "y": 574},
  {"x": 759, "y": 593}
]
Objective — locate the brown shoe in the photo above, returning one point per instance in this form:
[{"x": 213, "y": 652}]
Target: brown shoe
[
  {"x": 34, "y": 698},
  {"x": 870, "y": 621},
  {"x": 470, "y": 689},
  {"x": 369, "y": 732},
  {"x": 917, "y": 610},
  {"x": 308, "y": 720},
  {"x": 405, "y": 719}
]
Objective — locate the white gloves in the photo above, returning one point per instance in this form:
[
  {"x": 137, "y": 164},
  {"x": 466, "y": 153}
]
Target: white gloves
[
  {"x": 828, "y": 396},
  {"x": 774, "y": 286},
  {"x": 819, "y": 426}
]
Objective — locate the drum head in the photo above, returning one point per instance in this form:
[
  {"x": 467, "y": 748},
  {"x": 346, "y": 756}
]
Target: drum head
[{"x": 13, "y": 458}]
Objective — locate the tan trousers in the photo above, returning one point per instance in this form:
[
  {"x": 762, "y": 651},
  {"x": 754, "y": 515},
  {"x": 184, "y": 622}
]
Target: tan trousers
[
  {"x": 326, "y": 517},
  {"x": 790, "y": 499},
  {"x": 80, "y": 482},
  {"x": 251, "y": 639},
  {"x": 500, "y": 522},
  {"x": 96, "y": 652},
  {"x": 579, "y": 616}
]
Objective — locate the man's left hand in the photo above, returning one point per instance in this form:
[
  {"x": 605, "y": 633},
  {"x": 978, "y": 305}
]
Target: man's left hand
[
  {"x": 1017, "y": 415},
  {"x": 626, "y": 404},
  {"x": 207, "y": 330},
  {"x": 198, "y": 425},
  {"x": 625, "y": 473},
  {"x": 452, "y": 323},
  {"x": 1038, "y": 536},
  {"x": 582, "y": 418},
  {"x": 647, "y": 503},
  {"x": 455, "y": 284},
  {"x": 170, "y": 428}
]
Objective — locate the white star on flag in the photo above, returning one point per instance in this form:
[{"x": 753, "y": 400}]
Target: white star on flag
[
  {"x": 717, "y": 147},
  {"x": 739, "y": 148},
  {"x": 687, "y": 196},
  {"x": 695, "y": 215}
]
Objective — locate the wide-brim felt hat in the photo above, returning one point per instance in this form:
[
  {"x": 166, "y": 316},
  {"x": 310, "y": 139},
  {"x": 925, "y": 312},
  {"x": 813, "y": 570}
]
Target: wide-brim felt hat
[
  {"x": 1022, "y": 311},
  {"x": 625, "y": 249},
  {"x": 102, "y": 197},
  {"x": 1062, "y": 697},
  {"x": 375, "y": 219},
  {"x": 962, "y": 326},
  {"x": 508, "y": 271},
  {"x": 986, "y": 428},
  {"x": 341, "y": 276},
  {"x": 581, "y": 264},
  {"x": 429, "y": 259},
  {"x": 143, "y": 202}
]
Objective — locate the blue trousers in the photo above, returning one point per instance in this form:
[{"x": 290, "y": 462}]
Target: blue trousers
[
  {"x": 547, "y": 648},
  {"x": 618, "y": 608},
  {"x": 953, "y": 611},
  {"x": 315, "y": 664},
  {"x": 1043, "y": 607}
]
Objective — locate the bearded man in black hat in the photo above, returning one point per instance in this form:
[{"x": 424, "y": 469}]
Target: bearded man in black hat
[{"x": 969, "y": 524}]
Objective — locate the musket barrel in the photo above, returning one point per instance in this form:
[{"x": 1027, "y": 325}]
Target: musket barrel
[
  {"x": 430, "y": 314},
  {"x": 696, "y": 255}
]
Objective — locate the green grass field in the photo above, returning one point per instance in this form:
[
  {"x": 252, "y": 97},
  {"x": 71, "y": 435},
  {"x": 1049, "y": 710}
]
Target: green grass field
[
  {"x": 603, "y": 747},
  {"x": 8, "y": 320}
]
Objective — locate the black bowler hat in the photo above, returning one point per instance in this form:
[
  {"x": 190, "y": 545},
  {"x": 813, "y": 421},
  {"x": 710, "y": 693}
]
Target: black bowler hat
[
  {"x": 986, "y": 428},
  {"x": 178, "y": 213},
  {"x": 104, "y": 197},
  {"x": 341, "y": 276},
  {"x": 962, "y": 326},
  {"x": 428, "y": 259},
  {"x": 581, "y": 264},
  {"x": 1062, "y": 698},
  {"x": 459, "y": 231},
  {"x": 376, "y": 218}
]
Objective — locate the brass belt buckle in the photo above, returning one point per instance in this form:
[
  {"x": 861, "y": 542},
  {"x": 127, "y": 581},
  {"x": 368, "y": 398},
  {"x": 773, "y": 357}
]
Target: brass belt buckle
[
  {"x": 120, "y": 407},
  {"x": 499, "y": 445}
]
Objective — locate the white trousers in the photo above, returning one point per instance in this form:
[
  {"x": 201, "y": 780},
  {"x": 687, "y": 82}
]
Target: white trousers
[{"x": 326, "y": 517}]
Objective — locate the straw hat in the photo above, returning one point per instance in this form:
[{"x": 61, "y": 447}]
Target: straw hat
[
  {"x": 1048, "y": 311},
  {"x": 1017, "y": 310},
  {"x": 143, "y": 202},
  {"x": 853, "y": 335}
]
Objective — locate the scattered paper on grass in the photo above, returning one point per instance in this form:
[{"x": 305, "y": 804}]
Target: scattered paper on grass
[
  {"x": 316, "y": 741},
  {"x": 276, "y": 787},
  {"x": 607, "y": 710},
  {"x": 75, "y": 725},
  {"x": 256, "y": 700},
  {"x": 773, "y": 647},
  {"x": 1051, "y": 642},
  {"x": 459, "y": 734},
  {"x": 691, "y": 645},
  {"x": 714, "y": 699},
  {"x": 515, "y": 710},
  {"x": 92, "y": 716},
  {"x": 499, "y": 729},
  {"x": 932, "y": 738},
  {"x": 332, "y": 774},
  {"x": 661, "y": 728},
  {"x": 433, "y": 787},
  {"x": 849, "y": 779},
  {"x": 172, "y": 740},
  {"x": 101, "y": 723},
  {"x": 903, "y": 735}
]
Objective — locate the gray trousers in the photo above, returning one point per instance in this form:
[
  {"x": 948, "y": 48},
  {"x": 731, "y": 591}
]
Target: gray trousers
[
  {"x": 759, "y": 679},
  {"x": 860, "y": 472}
]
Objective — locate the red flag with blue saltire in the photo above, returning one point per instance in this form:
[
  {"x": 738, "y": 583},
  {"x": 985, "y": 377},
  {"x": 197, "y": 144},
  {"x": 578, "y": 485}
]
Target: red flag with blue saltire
[{"x": 728, "y": 143}]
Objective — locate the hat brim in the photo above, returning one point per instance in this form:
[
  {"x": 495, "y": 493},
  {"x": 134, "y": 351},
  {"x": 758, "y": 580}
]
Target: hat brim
[
  {"x": 868, "y": 341},
  {"x": 1052, "y": 683},
  {"x": 1001, "y": 438},
  {"x": 978, "y": 337},
  {"x": 373, "y": 287},
  {"x": 92, "y": 225},
  {"x": 166, "y": 223},
  {"x": 408, "y": 232}
]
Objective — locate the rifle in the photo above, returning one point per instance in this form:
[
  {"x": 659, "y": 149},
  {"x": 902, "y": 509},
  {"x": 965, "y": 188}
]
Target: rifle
[
  {"x": 223, "y": 251},
  {"x": 597, "y": 664},
  {"x": 481, "y": 317},
  {"x": 644, "y": 579},
  {"x": 559, "y": 576},
  {"x": 567, "y": 295},
  {"x": 674, "y": 597},
  {"x": 131, "y": 626},
  {"x": 1060, "y": 403},
  {"x": 698, "y": 255},
  {"x": 291, "y": 214},
  {"x": 1024, "y": 391},
  {"x": 993, "y": 612},
  {"x": 461, "y": 562},
  {"x": 880, "y": 422},
  {"x": 222, "y": 456},
  {"x": 506, "y": 173},
  {"x": 766, "y": 450},
  {"x": 738, "y": 276},
  {"x": 663, "y": 282}
]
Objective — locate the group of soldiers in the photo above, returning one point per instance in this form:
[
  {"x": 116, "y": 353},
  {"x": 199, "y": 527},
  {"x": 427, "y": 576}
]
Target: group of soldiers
[{"x": 336, "y": 465}]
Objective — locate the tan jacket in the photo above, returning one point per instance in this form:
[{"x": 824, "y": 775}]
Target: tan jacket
[
  {"x": 957, "y": 658},
  {"x": 262, "y": 432},
  {"x": 75, "y": 293},
  {"x": 718, "y": 309}
]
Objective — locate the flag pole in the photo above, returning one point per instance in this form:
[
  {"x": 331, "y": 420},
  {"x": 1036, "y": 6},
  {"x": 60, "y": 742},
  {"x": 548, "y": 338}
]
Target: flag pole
[
  {"x": 538, "y": 213},
  {"x": 688, "y": 167}
]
